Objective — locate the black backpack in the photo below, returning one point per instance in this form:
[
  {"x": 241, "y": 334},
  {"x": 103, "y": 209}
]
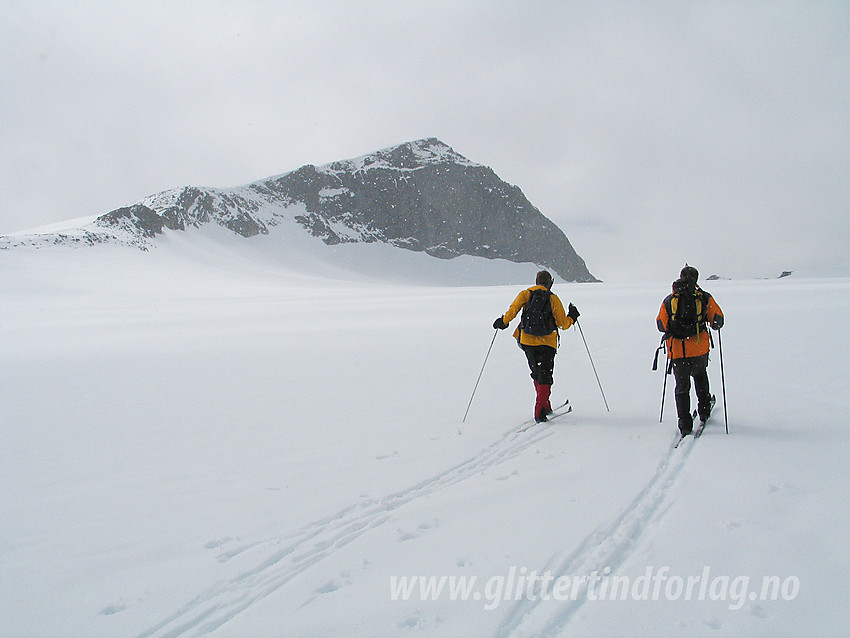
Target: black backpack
[
  {"x": 537, "y": 318},
  {"x": 686, "y": 310}
]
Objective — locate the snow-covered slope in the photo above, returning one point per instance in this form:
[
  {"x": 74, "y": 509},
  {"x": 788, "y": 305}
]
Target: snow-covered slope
[
  {"x": 420, "y": 196},
  {"x": 212, "y": 444}
]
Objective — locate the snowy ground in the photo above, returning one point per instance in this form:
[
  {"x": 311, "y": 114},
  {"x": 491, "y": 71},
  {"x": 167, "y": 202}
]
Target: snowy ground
[{"x": 195, "y": 444}]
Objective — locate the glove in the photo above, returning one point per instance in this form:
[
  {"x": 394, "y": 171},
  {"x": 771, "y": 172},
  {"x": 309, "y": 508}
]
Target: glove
[
  {"x": 499, "y": 324},
  {"x": 717, "y": 322},
  {"x": 573, "y": 313}
]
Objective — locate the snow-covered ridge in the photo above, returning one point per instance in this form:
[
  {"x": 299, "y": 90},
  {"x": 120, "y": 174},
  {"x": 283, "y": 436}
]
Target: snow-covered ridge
[
  {"x": 68, "y": 225},
  {"x": 83, "y": 232}
]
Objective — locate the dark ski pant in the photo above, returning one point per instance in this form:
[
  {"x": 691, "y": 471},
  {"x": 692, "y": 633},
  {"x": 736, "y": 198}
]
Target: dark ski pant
[
  {"x": 541, "y": 361},
  {"x": 683, "y": 370}
]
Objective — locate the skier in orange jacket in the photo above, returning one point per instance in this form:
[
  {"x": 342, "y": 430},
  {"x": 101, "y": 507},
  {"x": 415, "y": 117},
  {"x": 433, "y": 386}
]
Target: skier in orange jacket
[
  {"x": 684, "y": 318},
  {"x": 537, "y": 335}
]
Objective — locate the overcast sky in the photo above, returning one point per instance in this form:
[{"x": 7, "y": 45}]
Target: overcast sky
[{"x": 651, "y": 132}]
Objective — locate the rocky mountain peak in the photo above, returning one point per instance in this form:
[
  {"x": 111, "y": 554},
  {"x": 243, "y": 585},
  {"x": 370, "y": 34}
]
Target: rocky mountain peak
[
  {"x": 420, "y": 195},
  {"x": 407, "y": 156}
]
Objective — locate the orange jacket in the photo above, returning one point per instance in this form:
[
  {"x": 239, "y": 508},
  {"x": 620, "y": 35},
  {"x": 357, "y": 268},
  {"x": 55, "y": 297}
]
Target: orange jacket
[
  {"x": 696, "y": 345},
  {"x": 561, "y": 319}
]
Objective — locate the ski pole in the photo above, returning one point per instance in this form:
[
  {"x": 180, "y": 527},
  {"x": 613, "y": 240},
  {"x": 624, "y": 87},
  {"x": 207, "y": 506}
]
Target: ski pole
[
  {"x": 492, "y": 341},
  {"x": 581, "y": 332},
  {"x": 664, "y": 389},
  {"x": 658, "y": 350},
  {"x": 723, "y": 381},
  {"x": 662, "y": 346}
]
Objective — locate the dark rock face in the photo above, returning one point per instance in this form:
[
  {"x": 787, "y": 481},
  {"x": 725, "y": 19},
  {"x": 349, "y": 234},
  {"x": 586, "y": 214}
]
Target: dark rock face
[
  {"x": 420, "y": 196},
  {"x": 423, "y": 196},
  {"x": 192, "y": 207},
  {"x": 138, "y": 216}
]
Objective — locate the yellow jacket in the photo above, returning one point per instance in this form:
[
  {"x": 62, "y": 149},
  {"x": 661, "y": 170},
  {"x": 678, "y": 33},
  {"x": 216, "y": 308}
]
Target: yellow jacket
[{"x": 561, "y": 319}]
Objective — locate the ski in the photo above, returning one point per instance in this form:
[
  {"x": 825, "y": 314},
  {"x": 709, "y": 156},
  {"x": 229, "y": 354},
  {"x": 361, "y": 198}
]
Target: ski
[
  {"x": 561, "y": 410},
  {"x": 701, "y": 426},
  {"x": 698, "y": 429},
  {"x": 555, "y": 415}
]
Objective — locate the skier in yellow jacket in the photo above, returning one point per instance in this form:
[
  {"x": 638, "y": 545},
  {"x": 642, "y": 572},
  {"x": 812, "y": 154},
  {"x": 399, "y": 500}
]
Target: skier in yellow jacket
[{"x": 537, "y": 335}]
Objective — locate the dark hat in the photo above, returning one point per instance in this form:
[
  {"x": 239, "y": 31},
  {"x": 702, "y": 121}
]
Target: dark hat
[{"x": 689, "y": 272}]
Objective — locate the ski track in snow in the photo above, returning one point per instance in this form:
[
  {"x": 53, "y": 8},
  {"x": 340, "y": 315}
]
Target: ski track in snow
[
  {"x": 301, "y": 550},
  {"x": 607, "y": 547}
]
